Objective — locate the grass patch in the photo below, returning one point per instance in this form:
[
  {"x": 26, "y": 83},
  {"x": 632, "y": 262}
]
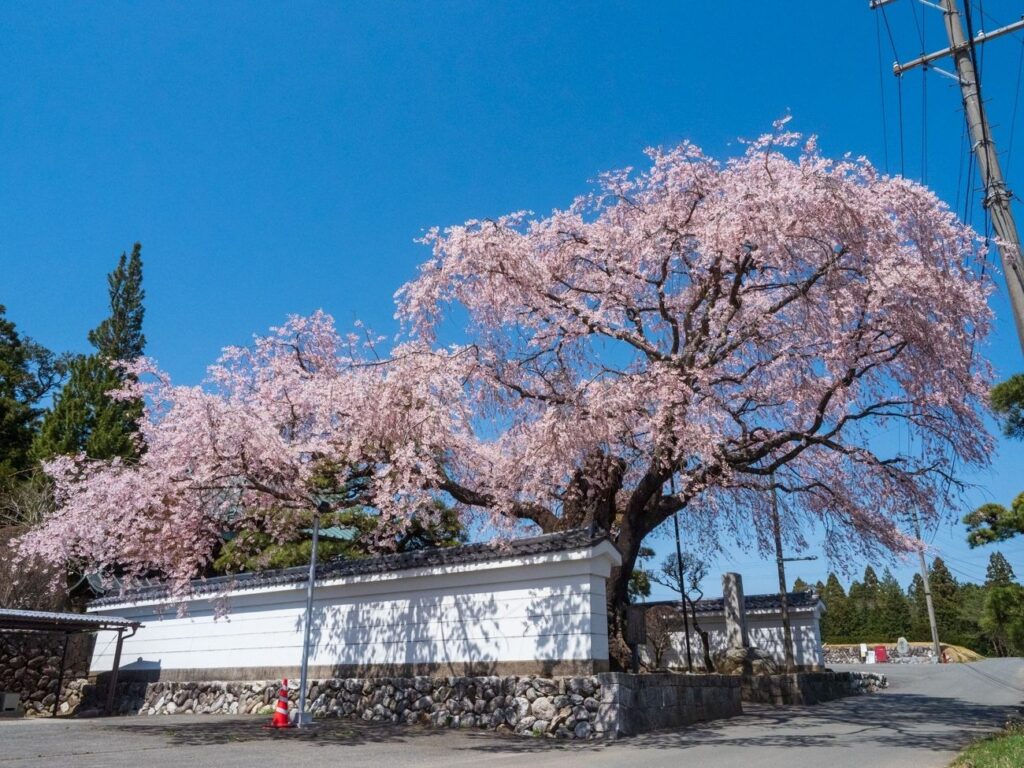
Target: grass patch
[{"x": 1000, "y": 750}]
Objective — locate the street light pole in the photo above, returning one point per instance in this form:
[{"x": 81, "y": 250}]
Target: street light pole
[
  {"x": 787, "y": 630},
  {"x": 303, "y": 718},
  {"x": 682, "y": 593}
]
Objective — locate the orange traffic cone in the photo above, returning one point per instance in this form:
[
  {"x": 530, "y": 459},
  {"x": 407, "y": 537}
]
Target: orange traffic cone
[{"x": 281, "y": 710}]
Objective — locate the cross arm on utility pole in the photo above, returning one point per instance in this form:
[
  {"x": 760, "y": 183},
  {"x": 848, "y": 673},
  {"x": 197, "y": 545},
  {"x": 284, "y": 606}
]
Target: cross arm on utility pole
[
  {"x": 997, "y": 195},
  {"x": 898, "y": 69}
]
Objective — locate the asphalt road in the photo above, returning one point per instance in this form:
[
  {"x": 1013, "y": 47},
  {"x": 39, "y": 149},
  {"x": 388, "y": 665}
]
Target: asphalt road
[{"x": 921, "y": 721}]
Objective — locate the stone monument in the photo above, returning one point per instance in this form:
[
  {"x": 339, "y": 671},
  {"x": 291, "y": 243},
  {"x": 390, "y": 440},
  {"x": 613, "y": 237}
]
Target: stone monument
[
  {"x": 736, "y": 635},
  {"x": 739, "y": 657}
]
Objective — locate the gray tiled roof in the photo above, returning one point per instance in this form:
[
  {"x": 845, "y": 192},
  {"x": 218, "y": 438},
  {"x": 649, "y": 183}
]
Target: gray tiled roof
[
  {"x": 769, "y": 602},
  {"x": 424, "y": 558}
]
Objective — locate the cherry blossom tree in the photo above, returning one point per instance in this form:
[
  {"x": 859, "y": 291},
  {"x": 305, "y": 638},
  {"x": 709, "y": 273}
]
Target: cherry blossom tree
[
  {"x": 684, "y": 338},
  {"x": 681, "y": 339},
  {"x": 298, "y": 422}
]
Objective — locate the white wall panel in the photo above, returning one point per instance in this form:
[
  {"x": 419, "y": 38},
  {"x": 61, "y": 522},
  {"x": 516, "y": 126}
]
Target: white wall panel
[
  {"x": 765, "y": 633},
  {"x": 549, "y": 608}
]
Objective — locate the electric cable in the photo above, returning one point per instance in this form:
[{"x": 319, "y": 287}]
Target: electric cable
[
  {"x": 881, "y": 91},
  {"x": 899, "y": 89}
]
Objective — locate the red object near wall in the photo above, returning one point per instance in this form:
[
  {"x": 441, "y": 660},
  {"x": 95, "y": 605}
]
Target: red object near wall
[{"x": 881, "y": 655}]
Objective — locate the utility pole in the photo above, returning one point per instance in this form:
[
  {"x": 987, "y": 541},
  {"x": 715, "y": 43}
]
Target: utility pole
[
  {"x": 927, "y": 590},
  {"x": 787, "y": 628},
  {"x": 997, "y": 195}
]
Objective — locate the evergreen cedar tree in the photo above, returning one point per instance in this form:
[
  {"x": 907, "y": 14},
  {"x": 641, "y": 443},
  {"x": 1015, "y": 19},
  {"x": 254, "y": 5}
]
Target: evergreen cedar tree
[
  {"x": 985, "y": 617},
  {"x": 28, "y": 372},
  {"x": 85, "y": 418},
  {"x": 669, "y": 342},
  {"x": 999, "y": 572}
]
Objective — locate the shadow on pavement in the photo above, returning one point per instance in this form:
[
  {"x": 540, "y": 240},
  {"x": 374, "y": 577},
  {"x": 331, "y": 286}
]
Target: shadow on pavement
[
  {"x": 211, "y": 731},
  {"x": 893, "y": 720}
]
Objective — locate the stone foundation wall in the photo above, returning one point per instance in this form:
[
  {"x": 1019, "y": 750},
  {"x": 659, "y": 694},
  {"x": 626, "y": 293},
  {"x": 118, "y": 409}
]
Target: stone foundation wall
[
  {"x": 809, "y": 687},
  {"x": 30, "y": 666},
  {"x": 603, "y": 705},
  {"x": 566, "y": 707}
]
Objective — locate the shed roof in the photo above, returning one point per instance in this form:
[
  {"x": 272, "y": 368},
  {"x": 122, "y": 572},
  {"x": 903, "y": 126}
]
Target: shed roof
[
  {"x": 47, "y": 621},
  {"x": 424, "y": 558}
]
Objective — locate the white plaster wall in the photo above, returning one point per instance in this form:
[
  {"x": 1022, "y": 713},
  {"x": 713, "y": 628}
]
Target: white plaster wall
[
  {"x": 765, "y": 632},
  {"x": 542, "y": 608}
]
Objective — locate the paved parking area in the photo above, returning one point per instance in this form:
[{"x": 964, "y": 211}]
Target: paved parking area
[{"x": 928, "y": 713}]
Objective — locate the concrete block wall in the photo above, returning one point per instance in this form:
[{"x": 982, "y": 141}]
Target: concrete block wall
[
  {"x": 809, "y": 687},
  {"x": 632, "y": 704}
]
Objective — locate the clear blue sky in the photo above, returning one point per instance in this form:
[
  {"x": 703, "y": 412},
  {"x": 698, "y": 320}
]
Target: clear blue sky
[{"x": 277, "y": 158}]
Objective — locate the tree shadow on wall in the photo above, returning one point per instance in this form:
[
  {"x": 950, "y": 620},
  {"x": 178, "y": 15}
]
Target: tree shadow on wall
[{"x": 457, "y": 631}]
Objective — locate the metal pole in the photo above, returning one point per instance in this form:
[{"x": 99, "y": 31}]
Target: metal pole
[
  {"x": 682, "y": 593},
  {"x": 787, "y": 631},
  {"x": 997, "y": 195},
  {"x": 60, "y": 674},
  {"x": 927, "y": 590},
  {"x": 303, "y": 718},
  {"x": 113, "y": 672}
]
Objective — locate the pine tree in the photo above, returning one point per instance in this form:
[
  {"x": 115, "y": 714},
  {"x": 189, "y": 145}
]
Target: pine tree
[
  {"x": 995, "y": 522},
  {"x": 799, "y": 585},
  {"x": 84, "y": 418},
  {"x": 1007, "y": 400},
  {"x": 999, "y": 572}
]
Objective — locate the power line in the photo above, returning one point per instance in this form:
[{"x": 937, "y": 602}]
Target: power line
[
  {"x": 917, "y": 23},
  {"x": 960, "y": 171},
  {"x": 924, "y": 125},
  {"x": 881, "y": 92},
  {"x": 1016, "y": 101},
  {"x": 899, "y": 89}
]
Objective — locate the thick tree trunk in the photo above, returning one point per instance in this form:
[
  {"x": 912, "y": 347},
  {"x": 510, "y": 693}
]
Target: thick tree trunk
[
  {"x": 620, "y": 656},
  {"x": 617, "y": 590}
]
